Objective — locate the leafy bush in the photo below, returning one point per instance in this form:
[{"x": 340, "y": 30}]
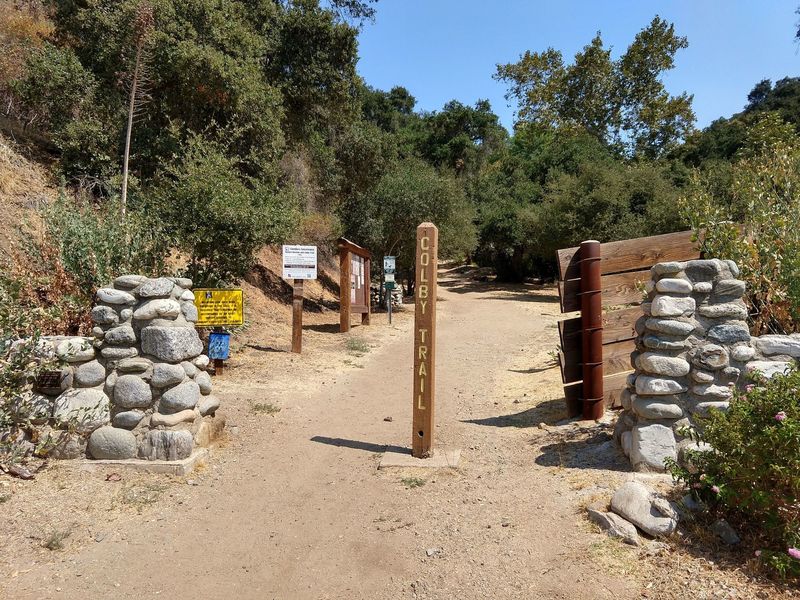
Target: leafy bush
[
  {"x": 19, "y": 367},
  {"x": 77, "y": 248},
  {"x": 218, "y": 217},
  {"x": 756, "y": 221},
  {"x": 752, "y": 476}
]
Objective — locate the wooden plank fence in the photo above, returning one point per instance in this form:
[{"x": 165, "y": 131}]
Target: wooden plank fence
[{"x": 624, "y": 268}]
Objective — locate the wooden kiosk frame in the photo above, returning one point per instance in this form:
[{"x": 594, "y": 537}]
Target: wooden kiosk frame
[{"x": 355, "y": 273}]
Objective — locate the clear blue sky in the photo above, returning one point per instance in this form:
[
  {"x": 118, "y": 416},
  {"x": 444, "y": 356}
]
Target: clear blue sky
[{"x": 447, "y": 49}]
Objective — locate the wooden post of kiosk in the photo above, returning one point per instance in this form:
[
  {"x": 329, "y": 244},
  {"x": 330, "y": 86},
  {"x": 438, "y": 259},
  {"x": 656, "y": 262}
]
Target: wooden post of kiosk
[
  {"x": 355, "y": 265},
  {"x": 297, "y": 316},
  {"x": 425, "y": 340}
]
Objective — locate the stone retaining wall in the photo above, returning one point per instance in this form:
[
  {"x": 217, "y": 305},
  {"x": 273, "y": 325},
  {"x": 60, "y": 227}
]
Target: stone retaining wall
[
  {"x": 693, "y": 347},
  {"x": 139, "y": 387}
]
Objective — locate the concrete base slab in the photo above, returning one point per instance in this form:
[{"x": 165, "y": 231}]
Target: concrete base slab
[
  {"x": 443, "y": 458},
  {"x": 168, "y": 467}
]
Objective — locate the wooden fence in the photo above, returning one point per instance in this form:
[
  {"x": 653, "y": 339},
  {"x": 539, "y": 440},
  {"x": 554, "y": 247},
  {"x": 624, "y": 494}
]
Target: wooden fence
[{"x": 625, "y": 268}]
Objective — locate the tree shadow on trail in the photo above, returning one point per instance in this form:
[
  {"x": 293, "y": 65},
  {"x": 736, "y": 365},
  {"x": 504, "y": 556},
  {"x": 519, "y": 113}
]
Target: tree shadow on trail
[
  {"x": 358, "y": 445},
  {"x": 522, "y": 292},
  {"x": 584, "y": 449},
  {"x": 545, "y": 412}
]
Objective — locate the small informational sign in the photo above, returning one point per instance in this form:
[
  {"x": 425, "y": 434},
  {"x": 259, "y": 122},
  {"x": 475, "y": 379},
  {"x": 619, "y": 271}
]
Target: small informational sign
[
  {"x": 388, "y": 277},
  {"x": 217, "y": 307},
  {"x": 389, "y": 286},
  {"x": 389, "y": 264},
  {"x": 219, "y": 345},
  {"x": 299, "y": 262}
]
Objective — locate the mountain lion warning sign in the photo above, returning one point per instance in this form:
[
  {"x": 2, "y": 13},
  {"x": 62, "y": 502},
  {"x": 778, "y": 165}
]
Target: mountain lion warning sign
[{"x": 218, "y": 307}]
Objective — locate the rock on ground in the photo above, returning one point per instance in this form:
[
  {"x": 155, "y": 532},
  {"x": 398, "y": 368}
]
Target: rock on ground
[{"x": 637, "y": 504}]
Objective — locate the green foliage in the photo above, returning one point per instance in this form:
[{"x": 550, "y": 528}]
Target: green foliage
[
  {"x": 385, "y": 219},
  {"x": 216, "y": 216},
  {"x": 752, "y": 476},
  {"x": 94, "y": 245},
  {"x": 760, "y": 195},
  {"x": 623, "y": 103},
  {"x": 19, "y": 367}
]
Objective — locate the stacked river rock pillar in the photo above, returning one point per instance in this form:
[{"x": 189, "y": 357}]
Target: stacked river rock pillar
[
  {"x": 154, "y": 371},
  {"x": 692, "y": 345}
]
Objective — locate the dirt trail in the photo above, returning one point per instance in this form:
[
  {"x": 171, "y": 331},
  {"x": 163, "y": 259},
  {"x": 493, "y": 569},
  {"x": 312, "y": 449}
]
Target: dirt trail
[{"x": 294, "y": 506}]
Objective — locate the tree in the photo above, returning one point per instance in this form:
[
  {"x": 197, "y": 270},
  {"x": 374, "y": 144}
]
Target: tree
[
  {"x": 385, "y": 219},
  {"x": 622, "y": 102}
]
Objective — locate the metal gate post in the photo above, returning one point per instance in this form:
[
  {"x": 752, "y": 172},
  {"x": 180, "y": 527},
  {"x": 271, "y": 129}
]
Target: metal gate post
[{"x": 591, "y": 331}]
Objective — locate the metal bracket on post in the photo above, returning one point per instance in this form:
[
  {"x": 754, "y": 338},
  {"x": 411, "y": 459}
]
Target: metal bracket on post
[{"x": 592, "y": 396}]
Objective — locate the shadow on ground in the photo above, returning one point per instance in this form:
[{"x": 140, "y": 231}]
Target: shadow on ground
[
  {"x": 582, "y": 449},
  {"x": 358, "y": 445},
  {"x": 516, "y": 292},
  {"x": 547, "y": 412}
]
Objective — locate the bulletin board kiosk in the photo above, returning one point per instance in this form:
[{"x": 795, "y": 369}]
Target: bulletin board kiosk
[{"x": 354, "y": 283}]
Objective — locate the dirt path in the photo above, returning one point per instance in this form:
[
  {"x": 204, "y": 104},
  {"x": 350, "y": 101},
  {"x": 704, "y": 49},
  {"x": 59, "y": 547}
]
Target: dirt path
[{"x": 294, "y": 506}]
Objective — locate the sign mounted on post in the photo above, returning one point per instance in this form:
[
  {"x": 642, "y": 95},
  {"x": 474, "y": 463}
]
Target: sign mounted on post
[
  {"x": 219, "y": 307},
  {"x": 389, "y": 264},
  {"x": 299, "y": 262},
  {"x": 425, "y": 340}
]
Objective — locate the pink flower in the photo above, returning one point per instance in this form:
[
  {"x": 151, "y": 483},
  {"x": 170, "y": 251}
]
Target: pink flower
[
  {"x": 780, "y": 416},
  {"x": 749, "y": 388},
  {"x": 794, "y": 553},
  {"x": 703, "y": 477},
  {"x": 697, "y": 486},
  {"x": 715, "y": 489},
  {"x": 758, "y": 553}
]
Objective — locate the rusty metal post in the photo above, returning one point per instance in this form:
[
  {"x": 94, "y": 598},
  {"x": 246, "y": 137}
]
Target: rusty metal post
[{"x": 591, "y": 331}]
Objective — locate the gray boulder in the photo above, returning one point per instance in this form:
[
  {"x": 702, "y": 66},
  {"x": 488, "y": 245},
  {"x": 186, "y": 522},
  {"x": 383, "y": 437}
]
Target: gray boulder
[
  {"x": 120, "y": 336},
  {"x": 166, "y": 445},
  {"x": 181, "y": 397},
  {"x": 651, "y": 444},
  {"x": 615, "y": 526},
  {"x": 203, "y": 380},
  {"x": 112, "y": 443},
  {"x": 131, "y": 391},
  {"x": 156, "y": 288},
  {"x": 112, "y": 296},
  {"x": 90, "y": 374},
  {"x": 87, "y": 408},
  {"x": 163, "y": 308},
  {"x": 208, "y": 405},
  {"x": 166, "y": 375},
  {"x": 104, "y": 315},
  {"x": 637, "y": 504},
  {"x": 127, "y": 419},
  {"x": 171, "y": 344}
]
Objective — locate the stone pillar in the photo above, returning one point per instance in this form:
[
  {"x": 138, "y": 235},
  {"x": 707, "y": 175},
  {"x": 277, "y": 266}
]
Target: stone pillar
[
  {"x": 154, "y": 371},
  {"x": 691, "y": 348}
]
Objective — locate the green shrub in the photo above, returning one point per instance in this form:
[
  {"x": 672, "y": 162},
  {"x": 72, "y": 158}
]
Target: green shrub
[
  {"x": 217, "y": 217},
  {"x": 752, "y": 216},
  {"x": 752, "y": 476}
]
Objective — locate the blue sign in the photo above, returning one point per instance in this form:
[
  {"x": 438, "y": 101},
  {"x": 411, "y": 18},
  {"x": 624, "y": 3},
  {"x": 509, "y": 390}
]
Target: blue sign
[{"x": 219, "y": 345}]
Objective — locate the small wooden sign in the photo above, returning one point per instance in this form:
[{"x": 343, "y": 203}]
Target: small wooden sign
[{"x": 425, "y": 340}]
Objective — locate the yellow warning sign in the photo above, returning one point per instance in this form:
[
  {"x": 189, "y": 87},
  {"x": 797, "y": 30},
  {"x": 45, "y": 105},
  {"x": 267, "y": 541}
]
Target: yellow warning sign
[{"x": 219, "y": 307}]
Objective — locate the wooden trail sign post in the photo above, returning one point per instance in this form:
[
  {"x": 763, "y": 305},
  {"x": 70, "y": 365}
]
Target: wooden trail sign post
[
  {"x": 425, "y": 340},
  {"x": 297, "y": 316},
  {"x": 299, "y": 264}
]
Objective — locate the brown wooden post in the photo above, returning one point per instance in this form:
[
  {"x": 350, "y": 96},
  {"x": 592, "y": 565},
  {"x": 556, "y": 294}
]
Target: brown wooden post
[
  {"x": 425, "y": 340},
  {"x": 297, "y": 316},
  {"x": 367, "y": 291},
  {"x": 591, "y": 331},
  {"x": 344, "y": 289}
]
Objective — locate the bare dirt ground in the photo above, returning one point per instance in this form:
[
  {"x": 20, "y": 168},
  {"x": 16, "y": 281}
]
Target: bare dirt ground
[{"x": 292, "y": 504}]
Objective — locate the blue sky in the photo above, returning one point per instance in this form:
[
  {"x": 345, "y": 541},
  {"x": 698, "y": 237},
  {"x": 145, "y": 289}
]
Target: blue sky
[{"x": 447, "y": 49}]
